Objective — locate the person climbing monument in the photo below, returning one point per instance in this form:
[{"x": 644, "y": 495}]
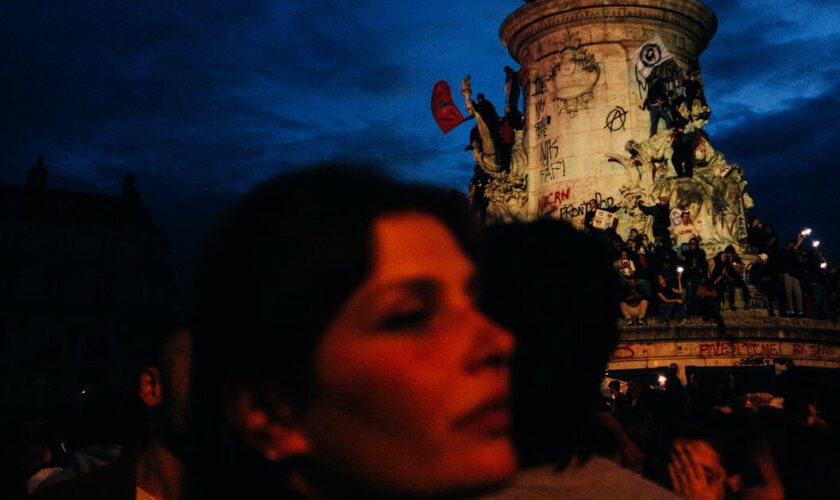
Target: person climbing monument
[{"x": 657, "y": 104}]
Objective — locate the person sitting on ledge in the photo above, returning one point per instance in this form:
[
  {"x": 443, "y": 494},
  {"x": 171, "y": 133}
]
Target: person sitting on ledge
[
  {"x": 696, "y": 268},
  {"x": 635, "y": 303},
  {"x": 634, "y": 236},
  {"x": 671, "y": 304},
  {"x": 624, "y": 264}
]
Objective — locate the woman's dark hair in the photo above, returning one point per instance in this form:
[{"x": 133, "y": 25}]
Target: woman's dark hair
[
  {"x": 272, "y": 276},
  {"x": 283, "y": 261}
]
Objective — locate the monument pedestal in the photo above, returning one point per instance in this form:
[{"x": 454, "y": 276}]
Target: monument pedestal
[{"x": 588, "y": 68}]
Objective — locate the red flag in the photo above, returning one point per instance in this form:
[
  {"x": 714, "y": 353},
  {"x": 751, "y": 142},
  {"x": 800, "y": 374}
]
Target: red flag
[{"x": 446, "y": 113}]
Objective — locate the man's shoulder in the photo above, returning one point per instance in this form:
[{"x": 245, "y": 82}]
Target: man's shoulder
[
  {"x": 114, "y": 481},
  {"x": 597, "y": 478}
]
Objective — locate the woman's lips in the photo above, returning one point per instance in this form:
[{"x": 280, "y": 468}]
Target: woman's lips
[{"x": 490, "y": 418}]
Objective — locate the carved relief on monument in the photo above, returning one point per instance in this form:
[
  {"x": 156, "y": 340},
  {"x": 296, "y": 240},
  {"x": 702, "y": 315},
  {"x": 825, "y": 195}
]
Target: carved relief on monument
[
  {"x": 679, "y": 162},
  {"x": 507, "y": 195},
  {"x": 567, "y": 81}
]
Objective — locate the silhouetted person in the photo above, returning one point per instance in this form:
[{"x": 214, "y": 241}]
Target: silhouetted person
[
  {"x": 789, "y": 266},
  {"x": 661, "y": 213},
  {"x": 708, "y": 302},
  {"x": 488, "y": 113},
  {"x": 154, "y": 468},
  {"x": 656, "y": 103},
  {"x": 765, "y": 279},
  {"x": 564, "y": 337}
]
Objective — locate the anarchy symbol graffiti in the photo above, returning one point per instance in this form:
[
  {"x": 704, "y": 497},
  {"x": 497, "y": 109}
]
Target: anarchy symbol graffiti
[
  {"x": 651, "y": 55},
  {"x": 616, "y": 119}
]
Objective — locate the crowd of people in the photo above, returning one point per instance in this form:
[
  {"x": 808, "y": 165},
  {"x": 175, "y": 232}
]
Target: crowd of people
[
  {"x": 672, "y": 278},
  {"x": 386, "y": 345},
  {"x": 712, "y": 437}
]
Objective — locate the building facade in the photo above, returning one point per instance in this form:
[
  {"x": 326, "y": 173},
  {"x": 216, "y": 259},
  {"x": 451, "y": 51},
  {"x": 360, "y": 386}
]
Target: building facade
[{"x": 84, "y": 279}]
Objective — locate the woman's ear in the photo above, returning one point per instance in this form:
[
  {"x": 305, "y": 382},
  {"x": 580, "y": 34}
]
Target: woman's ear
[
  {"x": 150, "y": 390},
  {"x": 271, "y": 431}
]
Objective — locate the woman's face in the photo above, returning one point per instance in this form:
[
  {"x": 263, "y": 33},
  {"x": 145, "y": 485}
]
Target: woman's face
[{"x": 412, "y": 393}]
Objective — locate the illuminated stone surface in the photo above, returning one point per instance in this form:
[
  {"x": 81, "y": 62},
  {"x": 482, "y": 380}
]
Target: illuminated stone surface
[{"x": 588, "y": 65}]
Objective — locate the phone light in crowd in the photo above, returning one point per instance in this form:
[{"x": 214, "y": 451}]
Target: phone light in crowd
[
  {"x": 806, "y": 231},
  {"x": 680, "y": 269},
  {"x": 816, "y": 243},
  {"x": 824, "y": 265},
  {"x": 662, "y": 380}
]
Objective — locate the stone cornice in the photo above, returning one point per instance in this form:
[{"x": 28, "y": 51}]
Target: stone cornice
[
  {"x": 535, "y": 20},
  {"x": 791, "y": 329}
]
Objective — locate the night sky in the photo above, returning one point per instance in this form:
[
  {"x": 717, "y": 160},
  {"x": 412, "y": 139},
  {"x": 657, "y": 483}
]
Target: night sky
[{"x": 205, "y": 99}]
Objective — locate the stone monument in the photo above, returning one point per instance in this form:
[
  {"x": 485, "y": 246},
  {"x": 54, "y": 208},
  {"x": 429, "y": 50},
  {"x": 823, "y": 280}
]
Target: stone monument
[{"x": 598, "y": 78}]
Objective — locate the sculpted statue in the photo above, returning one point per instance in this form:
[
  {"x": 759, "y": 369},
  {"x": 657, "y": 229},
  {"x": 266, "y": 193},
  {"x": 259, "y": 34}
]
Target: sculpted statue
[
  {"x": 484, "y": 150},
  {"x": 506, "y": 192},
  {"x": 714, "y": 196}
]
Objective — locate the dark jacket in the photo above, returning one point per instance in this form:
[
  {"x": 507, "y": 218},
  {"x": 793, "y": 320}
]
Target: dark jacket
[
  {"x": 695, "y": 263},
  {"x": 116, "y": 481},
  {"x": 661, "y": 215}
]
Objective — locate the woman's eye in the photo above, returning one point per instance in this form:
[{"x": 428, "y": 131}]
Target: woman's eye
[{"x": 406, "y": 320}]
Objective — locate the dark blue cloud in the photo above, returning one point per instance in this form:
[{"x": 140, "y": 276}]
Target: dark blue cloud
[
  {"x": 205, "y": 99},
  {"x": 771, "y": 77},
  {"x": 766, "y": 55},
  {"x": 790, "y": 158},
  {"x": 211, "y": 85}
]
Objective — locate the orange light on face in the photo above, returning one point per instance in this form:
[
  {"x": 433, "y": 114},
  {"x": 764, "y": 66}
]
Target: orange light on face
[{"x": 412, "y": 390}]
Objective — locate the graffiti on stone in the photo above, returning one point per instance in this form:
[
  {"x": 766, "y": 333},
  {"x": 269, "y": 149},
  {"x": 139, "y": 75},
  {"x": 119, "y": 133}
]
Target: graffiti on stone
[
  {"x": 756, "y": 352},
  {"x": 541, "y": 127},
  {"x": 650, "y": 55},
  {"x": 548, "y": 203},
  {"x": 814, "y": 350},
  {"x": 551, "y": 205},
  {"x": 751, "y": 349},
  {"x": 551, "y": 164},
  {"x": 753, "y": 362},
  {"x": 539, "y": 86},
  {"x": 616, "y": 119},
  {"x": 540, "y": 107}
]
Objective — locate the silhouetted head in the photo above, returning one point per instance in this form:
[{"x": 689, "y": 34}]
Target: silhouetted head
[{"x": 564, "y": 333}]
